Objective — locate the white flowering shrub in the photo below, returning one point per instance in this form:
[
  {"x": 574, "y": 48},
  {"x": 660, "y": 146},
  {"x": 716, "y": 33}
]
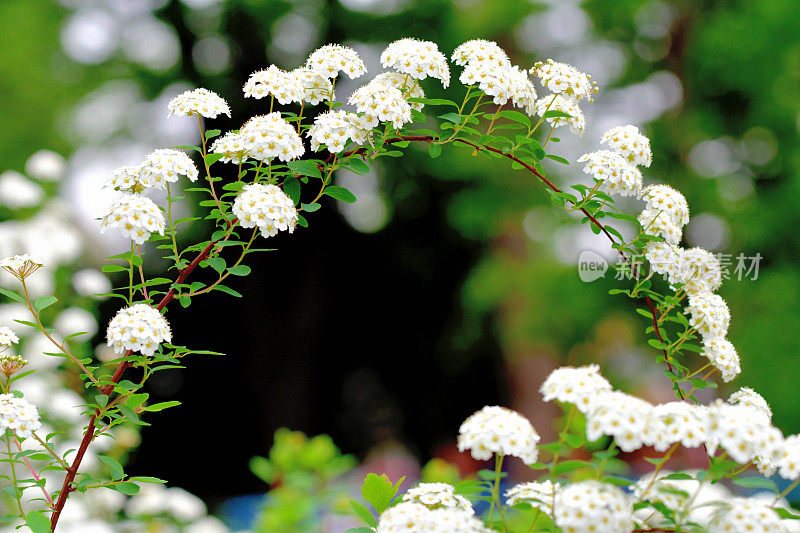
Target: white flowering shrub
[{"x": 277, "y": 170}]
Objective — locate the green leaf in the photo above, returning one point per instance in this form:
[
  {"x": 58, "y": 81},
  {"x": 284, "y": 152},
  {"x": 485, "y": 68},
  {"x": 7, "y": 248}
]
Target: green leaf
[
  {"x": 379, "y": 491},
  {"x": 305, "y": 168},
  {"x": 212, "y": 133},
  {"x": 227, "y": 290},
  {"x": 557, "y": 158},
  {"x": 291, "y": 186},
  {"x": 568, "y": 466},
  {"x": 113, "y": 268},
  {"x": 156, "y": 407},
  {"x": 433, "y": 101},
  {"x": 757, "y": 482},
  {"x": 358, "y": 166},
  {"x": 434, "y": 150},
  {"x": 552, "y": 113},
  {"x": 37, "y": 522},
  {"x": 116, "y": 469},
  {"x": 210, "y": 159},
  {"x": 44, "y": 302},
  {"x": 359, "y": 530},
  {"x": 340, "y": 193},
  {"x": 239, "y": 270},
  {"x": 127, "y": 488},
  {"x": 148, "y": 479},
  {"x": 516, "y": 116},
  {"x": 310, "y": 207},
  {"x": 217, "y": 263},
  {"x": 13, "y": 295},
  {"x": 363, "y": 513},
  {"x": 786, "y": 515}
]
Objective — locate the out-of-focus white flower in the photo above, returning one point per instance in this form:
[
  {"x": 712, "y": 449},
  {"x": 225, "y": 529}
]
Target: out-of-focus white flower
[
  {"x": 538, "y": 494},
  {"x": 628, "y": 142},
  {"x": 381, "y": 103},
  {"x": 588, "y": 506},
  {"x": 618, "y": 176},
  {"x": 621, "y": 416},
  {"x": 136, "y": 216},
  {"x": 750, "y": 398},
  {"x": 139, "y": 328},
  {"x": 267, "y": 207},
  {"x": 46, "y": 165},
  {"x": 17, "y": 191},
  {"x": 331, "y": 59},
  {"x": 743, "y": 515},
  {"x": 269, "y": 136},
  {"x": 90, "y": 282},
  {"x": 316, "y": 87},
  {"x": 75, "y": 320},
  {"x": 418, "y": 59},
  {"x": 674, "y": 422},
  {"x": 565, "y": 79},
  {"x": 273, "y": 81},
  {"x": 409, "y": 516},
  {"x": 201, "y": 102},
  {"x": 498, "y": 430}
]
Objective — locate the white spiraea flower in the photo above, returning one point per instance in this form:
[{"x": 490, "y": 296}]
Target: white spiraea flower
[
  {"x": 273, "y": 81},
  {"x": 658, "y": 224},
  {"x": 538, "y": 494},
  {"x": 497, "y": 82},
  {"x": 745, "y": 515},
  {"x": 138, "y": 328},
  {"x": 46, "y": 165},
  {"x": 316, "y": 87},
  {"x": 331, "y": 59},
  {"x": 788, "y": 458},
  {"x": 201, "y": 102},
  {"x": 10, "y": 364},
  {"x": 666, "y": 200},
  {"x": 18, "y": 415},
  {"x": 166, "y": 165},
  {"x": 269, "y": 136},
  {"x": 676, "y": 422},
  {"x": 565, "y": 79},
  {"x": 498, "y": 430},
  {"x": 621, "y": 416},
  {"x": 480, "y": 51},
  {"x": 18, "y": 192},
  {"x": 750, "y": 398},
  {"x": 523, "y": 92},
  {"x": 722, "y": 354},
  {"x": 438, "y": 496},
  {"x": 618, "y": 176},
  {"x": 231, "y": 146},
  {"x": 21, "y": 266},
  {"x": 664, "y": 259},
  {"x": 555, "y": 102},
  {"x": 362, "y": 127},
  {"x": 700, "y": 271},
  {"x": 710, "y": 315},
  {"x": 674, "y": 494},
  {"x": 409, "y": 516},
  {"x": 453, "y": 521},
  {"x": 418, "y": 59},
  {"x": 332, "y": 129},
  {"x": 400, "y": 82},
  {"x": 738, "y": 429},
  {"x": 578, "y": 386},
  {"x": 402, "y": 518},
  {"x": 7, "y": 337},
  {"x": 125, "y": 178},
  {"x": 591, "y": 506},
  {"x": 136, "y": 216},
  {"x": 91, "y": 282},
  {"x": 628, "y": 142},
  {"x": 265, "y": 207},
  {"x": 381, "y": 103}
]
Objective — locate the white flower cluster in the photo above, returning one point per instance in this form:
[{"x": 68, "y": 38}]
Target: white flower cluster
[
  {"x": 268, "y": 136},
  {"x": 380, "y": 102},
  {"x": 316, "y": 86},
  {"x": 628, "y": 142},
  {"x": 587, "y": 506},
  {"x": 577, "y": 386},
  {"x": 136, "y": 216},
  {"x": 742, "y": 515},
  {"x": 18, "y": 415},
  {"x": 333, "y": 129},
  {"x": 537, "y": 494},
  {"x": 231, "y": 146},
  {"x": 564, "y": 79},
  {"x": 21, "y": 266},
  {"x": 265, "y": 207},
  {"x": 616, "y": 174},
  {"x": 497, "y": 430},
  {"x": 7, "y": 338},
  {"x": 277, "y": 83},
  {"x": 574, "y": 118},
  {"x": 332, "y": 59},
  {"x": 438, "y": 496},
  {"x": 138, "y": 328},
  {"x": 418, "y": 59},
  {"x": 160, "y": 167},
  {"x": 400, "y": 82},
  {"x": 409, "y": 516},
  {"x": 200, "y": 102}
]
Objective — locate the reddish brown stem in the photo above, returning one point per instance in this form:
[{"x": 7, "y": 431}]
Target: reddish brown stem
[{"x": 72, "y": 471}]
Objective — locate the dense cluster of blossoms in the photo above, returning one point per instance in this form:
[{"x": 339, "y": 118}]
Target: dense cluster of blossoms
[
  {"x": 437, "y": 496},
  {"x": 381, "y": 103},
  {"x": 331, "y": 59},
  {"x": 333, "y": 129},
  {"x": 136, "y": 216},
  {"x": 497, "y": 430},
  {"x": 18, "y": 415},
  {"x": 21, "y": 266},
  {"x": 410, "y": 516},
  {"x": 269, "y": 136},
  {"x": 265, "y": 207},
  {"x": 316, "y": 86},
  {"x": 418, "y": 59},
  {"x": 139, "y": 328},
  {"x": 614, "y": 172},
  {"x": 286, "y": 88},
  {"x": 592, "y": 506},
  {"x": 200, "y": 102},
  {"x": 578, "y": 386},
  {"x": 537, "y": 494}
]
